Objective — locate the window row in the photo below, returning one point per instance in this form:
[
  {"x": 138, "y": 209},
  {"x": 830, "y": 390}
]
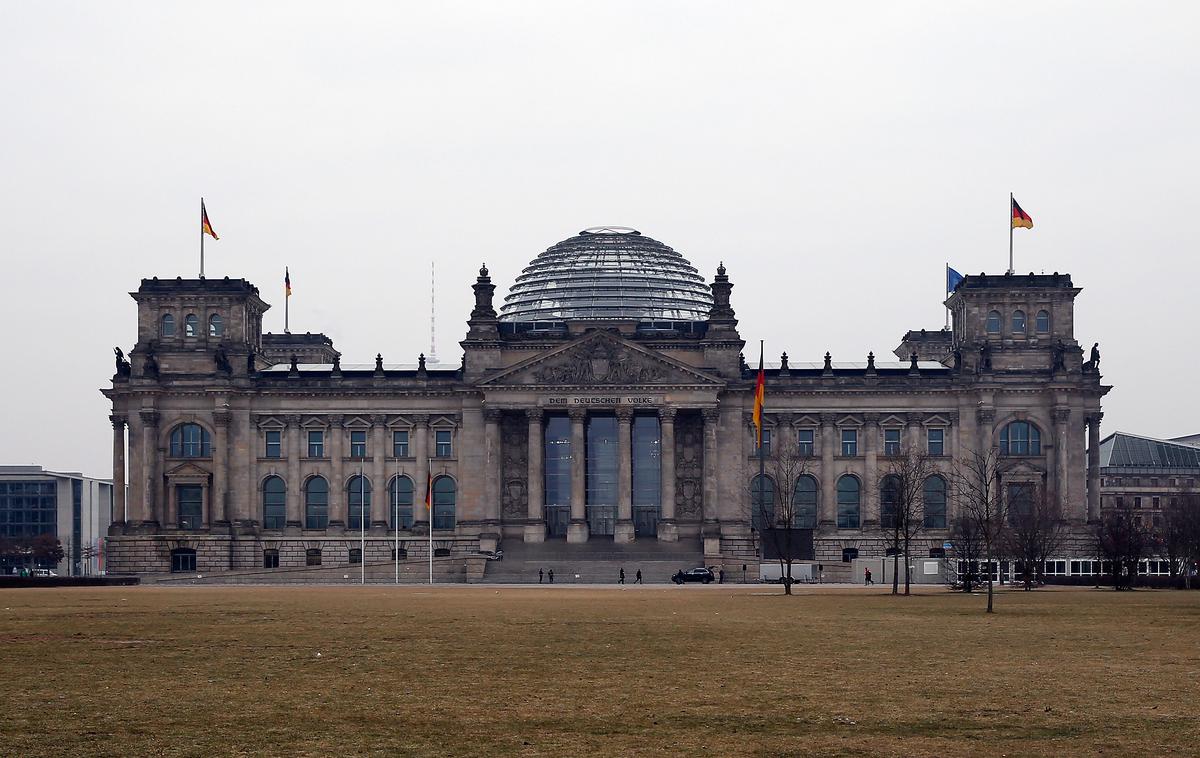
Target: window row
[
  {"x": 191, "y": 325},
  {"x": 194, "y": 441},
  {"x": 849, "y": 501},
  {"x": 1153, "y": 481},
  {"x": 184, "y": 558},
  {"x": 358, "y": 501},
  {"x": 1017, "y": 325},
  {"x": 935, "y": 442}
]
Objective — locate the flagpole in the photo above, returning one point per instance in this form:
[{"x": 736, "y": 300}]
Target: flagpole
[
  {"x": 762, "y": 461},
  {"x": 362, "y": 525},
  {"x": 201, "y": 238},
  {"x": 396, "y": 522},
  {"x": 1010, "y": 233},
  {"x": 947, "y": 283},
  {"x": 287, "y": 300},
  {"x": 429, "y": 494}
]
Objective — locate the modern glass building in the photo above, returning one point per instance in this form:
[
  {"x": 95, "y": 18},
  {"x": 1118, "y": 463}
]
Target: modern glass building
[{"x": 71, "y": 508}]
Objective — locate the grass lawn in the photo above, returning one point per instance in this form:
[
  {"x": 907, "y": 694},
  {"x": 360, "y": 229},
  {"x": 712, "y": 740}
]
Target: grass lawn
[{"x": 719, "y": 671}]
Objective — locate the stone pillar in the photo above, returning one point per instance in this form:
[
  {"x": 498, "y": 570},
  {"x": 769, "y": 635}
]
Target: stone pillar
[
  {"x": 118, "y": 424},
  {"x": 1058, "y": 462},
  {"x": 577, "y": 531},
  {"x": 870, "y": 471},
  {"x": 295, "y": 492},
  {"x": 380, "y": 504},
  {"x": 984, "y": 420},
  {"x": 420, "y": 444},
  {"x": 624, "y": 527},
  {"x": 711, "y": 417},
  {"x": 151, "y": 483},
  {"x": 668, "y": 531},
  {"x": 338, "y": 510},
  {"x": 1093, "y": 467},
  {"x": 218, "y": 498},
  {"x": 828, "y": 506},
  {"x": 492, "y": 456},
  {"x": 535, "y": 527}
]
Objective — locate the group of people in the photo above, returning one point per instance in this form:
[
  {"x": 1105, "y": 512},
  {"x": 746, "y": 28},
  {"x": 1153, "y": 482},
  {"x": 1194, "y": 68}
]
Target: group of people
[{"x": 543, "y": 575}]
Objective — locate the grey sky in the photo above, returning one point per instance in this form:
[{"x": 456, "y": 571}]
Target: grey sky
[{"x": 833, "y": 155}]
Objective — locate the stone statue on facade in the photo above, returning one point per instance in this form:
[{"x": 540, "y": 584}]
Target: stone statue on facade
[
  {"x": 221, "y": 359},
  {"x": 985, "y": 357},
  {"x": 1059, "y": 362},
  {"x": 123, "y": 367},
  {"x": 150, "y": 366},
  {"x": 1096, "y": 356}
]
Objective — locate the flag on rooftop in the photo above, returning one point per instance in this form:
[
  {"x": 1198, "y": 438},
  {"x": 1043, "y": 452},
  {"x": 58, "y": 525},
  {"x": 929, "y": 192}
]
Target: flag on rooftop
[
  {"x": 953, "y": 279},
  {"x": 1020, "y": 219},
  {"x": 205, "y": 226}
]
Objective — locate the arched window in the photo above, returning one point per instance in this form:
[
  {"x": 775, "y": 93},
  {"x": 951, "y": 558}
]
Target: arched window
[
  {"x": 191, "y": 325},
  {"x": 847, "y": 502},
  {"x": 444, "y": 493},
  {"x": 400, "y": 502},
  {"x": 359, "y": 497},
  {"x": 1043, "y": 322},
  {"x": 935, "y": 503},
  {"x": 216, "y": 327},
  {"x": 889, "y": 501},
  {"x": 804, "y": 503},
  {"x": 168, "y": 326},
  {"x": 183, "y": 559},
  {"x": 762, "y": 502},
  {"x": 1020, "y": 438},
  {"x": 1018, "y": 322},
  {"x": 316, "y": 503},
  {"x": 274, "y": 503},
  {"x": 993, "y": 322},
  {"x": 190, "y": 441}
]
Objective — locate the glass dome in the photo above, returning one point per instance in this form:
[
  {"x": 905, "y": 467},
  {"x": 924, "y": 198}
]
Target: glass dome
[{"x": 608, "y": 272}]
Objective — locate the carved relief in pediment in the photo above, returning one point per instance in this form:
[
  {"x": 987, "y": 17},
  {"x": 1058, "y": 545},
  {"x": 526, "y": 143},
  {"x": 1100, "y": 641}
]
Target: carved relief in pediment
[{"x": 601, "y": 362}]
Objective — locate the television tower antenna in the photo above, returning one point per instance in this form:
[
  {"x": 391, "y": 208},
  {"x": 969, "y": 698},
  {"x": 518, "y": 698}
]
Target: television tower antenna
[{"x": 432, "y": 314}]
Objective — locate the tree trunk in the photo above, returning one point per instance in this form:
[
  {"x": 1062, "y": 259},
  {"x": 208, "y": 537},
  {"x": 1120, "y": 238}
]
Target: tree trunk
[
  {"x": 906, "y": 576},
  {"x": 896, "y": 572},
  {"x": 989, "y": 608},
  {"x": 787, "y": 580}
]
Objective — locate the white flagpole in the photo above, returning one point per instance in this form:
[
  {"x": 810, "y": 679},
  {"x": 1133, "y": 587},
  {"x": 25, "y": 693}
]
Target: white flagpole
[
  {"x": 429, "y": 480},
  {"x": 362, "y": 526},
  {"x": 946, "y": 283}
]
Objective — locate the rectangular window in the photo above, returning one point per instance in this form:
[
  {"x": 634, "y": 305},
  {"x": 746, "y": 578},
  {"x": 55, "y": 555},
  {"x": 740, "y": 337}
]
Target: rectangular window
[
  {"x": 358, "y": 444},
  {"x": 190, "y": 500},
  {"x": 849, "y": 443},
  {"x": 355, "y": 556},
  {"x": 766, "y": 442},
  {"x": 1156, "y": 502},
  {"x": 804, "y": 443},
  {"x": 400, "y": 444},
  {"x": 316, "y": 444},
  {"x": 442, "y": 446},
  {"x": 936, "y": 441},
  {"x": 270, "y": 559},
  {"x": 274, "y": 444},
  {"x": 891, "y": 442},
  {"x": 1137, "y": 501},
  {"x": 312, "y": 556}
]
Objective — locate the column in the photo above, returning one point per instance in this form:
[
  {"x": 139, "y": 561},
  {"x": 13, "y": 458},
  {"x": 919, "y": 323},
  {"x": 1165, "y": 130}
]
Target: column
[
  {"x": 668, "y": 531},
  {"x": 150, "y": 478},
  {"x": 295, "y": 497},
  {"x": 984, "y": 419},
  {"x": 118, "y": 425},
  {"x": 1093, "y": 467},
  {"x": 491, "y": 467},
  {"x": 420, "y": 443},
  {"x": 828, "y": 505},
  {"x": 380, "y": 504},
  {"x": 217, "y": 498},
  {"x": 338, "y": 510},
  {"x": 624, "y": 527},
  {"x": 535, "y": 527},
  {"x": 1058, "y": 462},
  {"x": 577, "y": 531},
  {"x": 711, "y": 417},
  {"x": 870, "y": 471}
]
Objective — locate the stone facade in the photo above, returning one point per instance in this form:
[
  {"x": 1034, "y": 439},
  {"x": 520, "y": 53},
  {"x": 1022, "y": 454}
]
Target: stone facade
[{"x": 478, "y": 431}]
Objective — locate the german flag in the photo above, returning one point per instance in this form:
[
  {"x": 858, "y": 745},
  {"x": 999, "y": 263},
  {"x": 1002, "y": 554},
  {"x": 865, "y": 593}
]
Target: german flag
[
  {"x": 429, "y": 490},
  {"x": 287, "y": 282},
  {"x": 1020, "y": 219},
  {"x": 760, "y": 391},
  {"x": 205, "y": 227}
]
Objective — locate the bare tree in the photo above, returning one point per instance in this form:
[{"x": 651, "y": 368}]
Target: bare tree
[
  {"x": 980, "y": 502},
  {"x": 902, "y": 507},
  {"x": 782, "y": 514},
  {"x": 1036, "y": 533},
  {"x": 1178, "y": 538},
  {"x": 967, "y": 550},
  {"x": 1122, "y": 540}
]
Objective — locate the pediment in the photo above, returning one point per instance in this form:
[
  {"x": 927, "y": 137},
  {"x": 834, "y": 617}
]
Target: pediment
[
  {"x": 601, "y": 359},
  {"x": 1021, "y": 469},
  {"x": 187, "y": 470}
]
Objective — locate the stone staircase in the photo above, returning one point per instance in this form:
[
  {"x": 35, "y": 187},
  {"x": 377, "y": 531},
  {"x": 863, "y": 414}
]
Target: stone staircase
[{"x": 596, "y": 561}]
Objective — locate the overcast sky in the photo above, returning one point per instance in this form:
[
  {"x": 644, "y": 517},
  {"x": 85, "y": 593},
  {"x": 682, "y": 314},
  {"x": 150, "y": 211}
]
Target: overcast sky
[{"x": 834, "y": 155}]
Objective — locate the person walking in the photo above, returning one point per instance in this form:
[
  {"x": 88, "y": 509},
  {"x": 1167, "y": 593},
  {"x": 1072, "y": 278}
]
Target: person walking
[
  {"x": 721, "y": 575},
  {"x": 867, "y": 577},
  {"x": 550, "y": 574},
  {"x": 621, "y": 576},
  {"x": 540, "y": 575},
  {"x": 637, "y": 578}
]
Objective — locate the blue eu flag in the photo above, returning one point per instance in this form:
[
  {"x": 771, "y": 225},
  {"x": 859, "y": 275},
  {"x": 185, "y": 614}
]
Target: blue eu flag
[{"x": 953, "y": 279}]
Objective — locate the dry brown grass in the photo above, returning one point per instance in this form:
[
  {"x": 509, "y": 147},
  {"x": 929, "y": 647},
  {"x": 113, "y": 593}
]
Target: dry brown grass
[{"x": 642, "y": 671}]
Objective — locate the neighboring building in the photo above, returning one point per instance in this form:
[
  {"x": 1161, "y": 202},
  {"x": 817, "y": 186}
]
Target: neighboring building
[
  {"x": 75, "y": 509},
  {"x": 608, "y": 400},
  {"x": 1147, "y": 474}
]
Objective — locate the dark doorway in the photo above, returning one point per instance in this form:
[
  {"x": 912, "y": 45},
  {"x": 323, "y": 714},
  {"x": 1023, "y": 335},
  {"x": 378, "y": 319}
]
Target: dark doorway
[
  {"x": 645, "y": 522},
  {"x": 558, "y": 518}
]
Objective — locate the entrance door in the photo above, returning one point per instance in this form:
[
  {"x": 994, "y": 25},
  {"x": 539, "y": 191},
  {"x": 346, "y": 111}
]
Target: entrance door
[
  {"x": 190, "y": 498},
  {"x": 602, "y": 519},
  {"x": 558, "y": 517},
  {"x": 645, "y": 522}
]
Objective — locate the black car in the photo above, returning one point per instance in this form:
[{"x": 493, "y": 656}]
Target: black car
[{"x": 701, "y": 574}]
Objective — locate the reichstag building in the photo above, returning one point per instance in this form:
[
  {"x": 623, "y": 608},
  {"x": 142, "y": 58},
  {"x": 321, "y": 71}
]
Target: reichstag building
[{"x": 607, "y": 401}]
